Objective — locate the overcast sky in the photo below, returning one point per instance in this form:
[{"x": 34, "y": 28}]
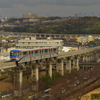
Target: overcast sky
[{"x": 15, "y": 8}]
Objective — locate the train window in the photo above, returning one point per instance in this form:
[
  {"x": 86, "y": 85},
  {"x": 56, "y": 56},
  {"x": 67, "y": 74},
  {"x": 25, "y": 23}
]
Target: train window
[
  {"x": 20, "y": 53},
  {"x": 54, "y": 49},
  {"x": 16, "y": 54},
  {"x": 24, "y": 53},
  {"x": 36, "y": 52},
  {"x": 46, "y": 50},
  {"x": 13, "y": 53}
]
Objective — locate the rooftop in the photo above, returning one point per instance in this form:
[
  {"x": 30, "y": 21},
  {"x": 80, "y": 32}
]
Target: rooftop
[
  {"x": 32, "y": 39},
  {"x": 72, "y": 45}
]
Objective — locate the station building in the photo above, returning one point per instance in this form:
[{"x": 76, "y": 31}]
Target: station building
[{"x": 34, "y": 43}]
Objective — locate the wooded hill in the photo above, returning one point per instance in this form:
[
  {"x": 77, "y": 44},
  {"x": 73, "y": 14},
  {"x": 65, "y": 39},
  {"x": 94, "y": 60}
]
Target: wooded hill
[{"x": 83, "y": 25}]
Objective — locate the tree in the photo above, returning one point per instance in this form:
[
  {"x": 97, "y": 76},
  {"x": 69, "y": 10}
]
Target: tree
[{"x": 31, "y": 30}]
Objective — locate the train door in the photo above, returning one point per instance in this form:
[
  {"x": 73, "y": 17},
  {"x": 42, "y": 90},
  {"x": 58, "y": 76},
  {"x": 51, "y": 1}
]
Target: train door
[
  {"x": 25, "y": 56},
  {"x": 52, "y": 54},
  {"x": 42, "y": 51},
  {"x": 39, "y": 54},
  {"x": 42, "y": 54},
  {"x": 49, "y": 53},
  {"x": 32, "y": 55},
  {"x": 36, "y": 55},
  {"x": 55, "y": 50},
  {"x": 20, "y": 55},
  {"x": 29, "y": 56}
]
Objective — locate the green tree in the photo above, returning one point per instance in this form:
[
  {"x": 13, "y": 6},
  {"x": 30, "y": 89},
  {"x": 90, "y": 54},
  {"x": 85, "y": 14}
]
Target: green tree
[{"x": 31, "y": 30}]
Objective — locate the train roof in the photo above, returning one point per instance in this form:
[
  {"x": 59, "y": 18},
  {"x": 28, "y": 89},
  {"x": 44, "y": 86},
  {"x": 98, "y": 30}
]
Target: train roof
[
  {"x": 15, "y": 50},
  {"x": 32, "y": 49}
]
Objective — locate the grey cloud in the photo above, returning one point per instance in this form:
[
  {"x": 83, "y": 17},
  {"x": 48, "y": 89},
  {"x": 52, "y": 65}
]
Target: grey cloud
[
  {"x": 10, "y": 3},
  {"x": 51, "y": 10}
]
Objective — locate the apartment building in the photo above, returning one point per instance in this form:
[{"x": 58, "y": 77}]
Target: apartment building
[
  {"x": 34, "y": 43},
  {"x": 84, "y": 39},
  {"x": 90, "y": 38}
]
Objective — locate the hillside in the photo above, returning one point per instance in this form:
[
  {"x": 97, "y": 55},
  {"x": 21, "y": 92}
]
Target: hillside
[{"x": 83, "y": 25}]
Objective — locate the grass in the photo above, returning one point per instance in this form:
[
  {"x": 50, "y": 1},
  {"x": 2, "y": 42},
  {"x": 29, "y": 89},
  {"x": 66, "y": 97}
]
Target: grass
[
  {"x": 3, "y": 77},
  {"x": 88, "y": 95}
]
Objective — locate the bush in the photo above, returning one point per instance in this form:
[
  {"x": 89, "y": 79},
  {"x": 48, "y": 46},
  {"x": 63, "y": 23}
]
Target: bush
[
  {"x": 56, "y": 75},
  {"x": 95, "y": 96},
  {"x": 46, "y": 78},
  {"x": 3, "y": 77}
]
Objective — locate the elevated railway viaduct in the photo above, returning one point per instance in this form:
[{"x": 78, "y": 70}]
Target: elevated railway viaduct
[
  {"x": 74, "y": 57},
  {"x": 45, "y": 35}
]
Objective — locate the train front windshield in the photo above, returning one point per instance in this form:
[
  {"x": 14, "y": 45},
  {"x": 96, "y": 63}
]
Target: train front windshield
[{"x": 13, "y": 53}]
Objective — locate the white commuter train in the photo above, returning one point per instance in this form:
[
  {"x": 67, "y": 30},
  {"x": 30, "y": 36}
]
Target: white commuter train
[{"x": 36, "y": 54}]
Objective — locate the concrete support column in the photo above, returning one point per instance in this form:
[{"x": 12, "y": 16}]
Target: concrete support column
[
  {"x": 35, "y": 73},
  {"x": 35, "y": 77},
  {"x": 90, "y": 57},
  {"x": 83, "y": 58},
  {"x": 0, "y": 73},
  {"x": 68, "y": 65},
  {"x": 60, "y": 67},
  {"x": 96, "y": 55},
  {"x": 40, "y": 36},
  {"x": 93, "y": 56},
  {"x": 44, "y": 35},
  {"x": 55, "y": 36},
  {"x": 18, "y": 82},
  {"x": 76, "y": 63},
  {"x": 32, "y": 73},
  {"x": 59, "y": 36},
  {"x": 49, "y": 69},
  {"x": 87, "y": 60},
  {"x": 99, "y": 54}
]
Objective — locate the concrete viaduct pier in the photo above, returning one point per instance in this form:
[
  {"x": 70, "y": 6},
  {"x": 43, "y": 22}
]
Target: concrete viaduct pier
[{"x": 71, "y": 59}]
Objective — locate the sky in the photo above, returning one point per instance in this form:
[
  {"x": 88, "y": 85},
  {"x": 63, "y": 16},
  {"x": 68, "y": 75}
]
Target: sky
[{"x": 15, "y": 8}]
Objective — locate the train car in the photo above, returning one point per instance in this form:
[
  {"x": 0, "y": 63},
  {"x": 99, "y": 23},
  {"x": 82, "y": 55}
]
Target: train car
[{"x": 36, "y": 54}]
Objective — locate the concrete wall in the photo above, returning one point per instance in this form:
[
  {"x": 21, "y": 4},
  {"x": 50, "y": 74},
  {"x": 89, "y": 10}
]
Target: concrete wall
[{"x": 4, "y": 58}]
